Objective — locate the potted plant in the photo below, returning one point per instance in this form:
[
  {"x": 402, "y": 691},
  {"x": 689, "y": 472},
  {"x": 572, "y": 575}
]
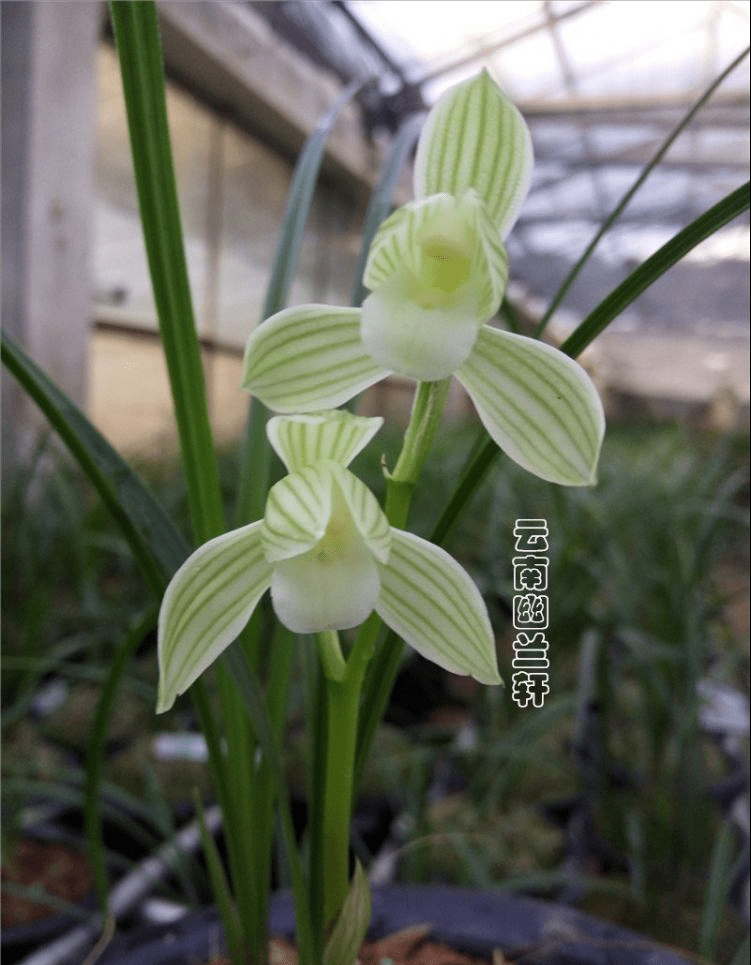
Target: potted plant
[{"x": 332, "y": 557}]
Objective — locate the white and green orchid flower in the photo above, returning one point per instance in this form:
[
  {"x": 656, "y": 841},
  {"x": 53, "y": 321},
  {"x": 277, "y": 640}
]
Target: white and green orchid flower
[
  {"x": 326, "y": 551},
  {"x": 437, "y": 272}
]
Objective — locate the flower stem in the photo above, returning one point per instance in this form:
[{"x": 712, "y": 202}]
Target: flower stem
[
  {"x": 330, "y": 652},
  {"x": 343, "y": 685},
  {"x": 427, "y": 409},
  {"x": 343, "y": 700}
]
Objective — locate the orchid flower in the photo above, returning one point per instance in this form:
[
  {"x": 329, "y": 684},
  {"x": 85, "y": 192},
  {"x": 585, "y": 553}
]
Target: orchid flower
[
  {"x": 437, "y": 272},
  {"x": 325, "y": 549}
]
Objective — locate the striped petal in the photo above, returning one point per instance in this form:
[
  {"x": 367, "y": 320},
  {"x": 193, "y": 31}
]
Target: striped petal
[
  {"x": 366, "y": 513},
  {"x": 305, "y": 439},
  {"x": 537, "y": 404},
  {"x": 335, "y": 584},
  {"x": 308, "y": 358},
  {"x": 207, "y": 603},
  {"x": 474, "y": 137},
  {"x": 434, "y": 606},
  {"x": 446, "y": 248},
  {"x": 398, "y": 243},
  {"x": 298, "y": 509}
]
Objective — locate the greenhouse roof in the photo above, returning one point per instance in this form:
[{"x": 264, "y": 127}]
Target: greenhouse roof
[{"x": 602, "y": 85}]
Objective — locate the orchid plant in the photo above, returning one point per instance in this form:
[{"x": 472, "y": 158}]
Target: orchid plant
[
  {"x": 333, "y": 559},
  {"x": 437, "y": 272}
]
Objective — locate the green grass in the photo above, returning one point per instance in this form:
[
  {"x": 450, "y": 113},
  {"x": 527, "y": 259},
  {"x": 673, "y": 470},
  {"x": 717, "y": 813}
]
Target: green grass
[{"x": 635, "y": 568}]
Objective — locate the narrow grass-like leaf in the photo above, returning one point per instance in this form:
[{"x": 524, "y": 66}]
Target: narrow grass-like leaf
[
  {"x": 655, "y": 266},
  {"x": 255, "y": 457},
  {"x": 303, "y": 440},
  {"x": 538, "y": 405},
  {"x": 220, "y": 887},
  {"x": 139, "y": 50},
  {"x": 623, "y": 203},
  {"x": 475, "y": 137},
  {"x": 95, "y": 755},
  {"x": 308, "y": 358},
  {"x": 352, "y": 923},
  {"x": 299, "y": 201},
  {"x": 432, "y": 603},
  {"x": 155, "y": 543},
  {"x": 130, "y": 507},
  {"x": 379, "y": 205},
  {"x": 718, "y": 888},
  {"x": 253, "y": 699}
]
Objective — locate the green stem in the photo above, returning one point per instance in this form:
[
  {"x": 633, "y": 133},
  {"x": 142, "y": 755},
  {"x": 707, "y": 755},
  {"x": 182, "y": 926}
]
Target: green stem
[
  {"x": 330, "y": 651},
  {"x": 343, "y": 701}
]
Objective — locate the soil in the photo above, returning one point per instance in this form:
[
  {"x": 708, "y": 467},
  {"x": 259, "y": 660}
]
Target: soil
[
  {"x": 408, "y": 947},
  {"x": 51, "y": 868}
]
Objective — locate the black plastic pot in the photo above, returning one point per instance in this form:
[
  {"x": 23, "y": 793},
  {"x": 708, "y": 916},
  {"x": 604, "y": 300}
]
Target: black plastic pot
[{"x": 475, "y": 922}]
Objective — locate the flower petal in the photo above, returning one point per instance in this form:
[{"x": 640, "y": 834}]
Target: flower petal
[
  {"x": 298, "y": 509},
  {"x": 474, "y": 137},
  {"x": 334, "y": 585},
  {"x": 304, "y": 439},
  {"x": 443, "y": 245},
  {"x": 537, "y": 404},
  {"x": 426, "y": 344},
  {"x": 308, "y": 358},
  {"x": 397, "y": 243},
  {"x": 207, "y": 603},
  {"x": 366, "y": 513},
  {"x": 432, "y": 603}
]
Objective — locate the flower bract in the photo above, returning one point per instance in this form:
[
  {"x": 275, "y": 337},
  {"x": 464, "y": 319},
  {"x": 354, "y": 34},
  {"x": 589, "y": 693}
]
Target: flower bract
[
  {"x": 327, "y": 553},
  {"x": 437, "y": 272}
]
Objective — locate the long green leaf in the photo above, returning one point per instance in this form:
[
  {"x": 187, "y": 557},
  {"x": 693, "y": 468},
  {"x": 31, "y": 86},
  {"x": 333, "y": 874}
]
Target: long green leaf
[
  {"x": 623, "y": 203},
  {"x": 139, "y": 49},
  {"x": 220, "y": 886},
  {"x": 718, "y": 888},
  {"x": 252, "y": 695},
  {"x": 157, "y": 546},
  {"x": 380, "y": 202},
  {"x": 95, "y": 755},
  {"x": 655, "y": 266},
  {"x": 131, "y": 508},
  {"x": 299, "y": 202},
  {"x": 137, "y": 36},
  {"x": 255, "y": 455}
]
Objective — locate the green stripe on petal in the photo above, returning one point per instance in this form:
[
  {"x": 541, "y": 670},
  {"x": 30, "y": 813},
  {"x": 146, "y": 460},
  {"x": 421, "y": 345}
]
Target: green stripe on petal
[
  {"x": 431, "y": 602},
  {"x": 207, "y": 603},
  {"x": 308, "y": 358},
  {"x": 444, "y": 247},
  {"x": 305, "y": 439},
  {"x": 298, "y": 509},
  {"x": 397, "y": 243},
  {"x": 537, "y": 404},
  {"x": 474, "y": 137},
  {"x": 366, "y": 513}
]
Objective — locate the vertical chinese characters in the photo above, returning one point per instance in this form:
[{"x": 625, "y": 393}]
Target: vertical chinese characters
[{"x": 530, "y": 611}]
